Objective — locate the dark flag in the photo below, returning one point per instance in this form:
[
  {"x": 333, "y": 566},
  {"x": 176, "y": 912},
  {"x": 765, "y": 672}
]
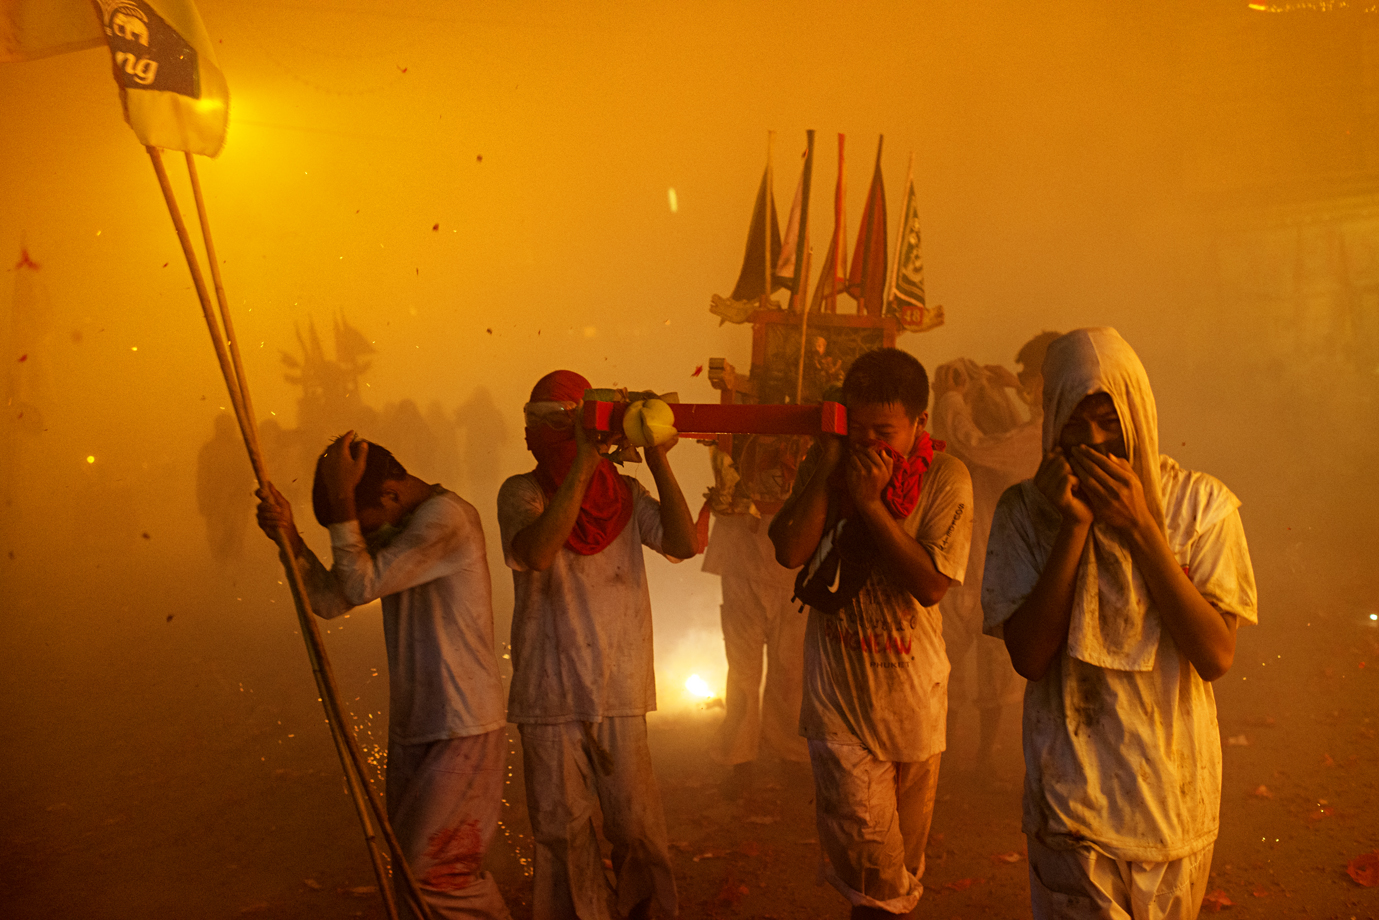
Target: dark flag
[
  {"x": 833, "y": 277},
  {"x": 867, "y": 279},
  {"x": 751, "y": 281}
]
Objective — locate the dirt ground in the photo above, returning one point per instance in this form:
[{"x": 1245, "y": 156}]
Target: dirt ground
[{"x": 165, "y": 756}]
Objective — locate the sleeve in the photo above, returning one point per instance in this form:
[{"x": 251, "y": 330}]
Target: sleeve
[
  {"x": 945, "y": 531},
  {"x": 431, "y": 547},
  {"x": 322, "y": 590},
  {"x": 647, "y": 510},
  {"x": 1012, "y": 567},
  {"x": 520, "y": 503},
  {"x": 1220, "y": 568}
]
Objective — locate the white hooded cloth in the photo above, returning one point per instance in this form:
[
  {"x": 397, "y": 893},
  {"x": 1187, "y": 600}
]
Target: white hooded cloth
[
  {"x": 1114, "y": 623},
  {"x": 1122, "y": 750}
]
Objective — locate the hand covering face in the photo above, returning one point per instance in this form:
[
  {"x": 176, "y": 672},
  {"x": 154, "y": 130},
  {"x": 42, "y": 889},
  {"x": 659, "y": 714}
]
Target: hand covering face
[{"x": 1114, "y": 623}]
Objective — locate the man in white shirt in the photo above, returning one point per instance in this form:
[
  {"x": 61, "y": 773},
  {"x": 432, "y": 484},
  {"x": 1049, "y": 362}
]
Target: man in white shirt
[
  {"x": 1117, "y": 580},
  {"x": 582, "y": 672},
  {"x": 421, "y": 549},
  {"x": 881, "y": 523}
]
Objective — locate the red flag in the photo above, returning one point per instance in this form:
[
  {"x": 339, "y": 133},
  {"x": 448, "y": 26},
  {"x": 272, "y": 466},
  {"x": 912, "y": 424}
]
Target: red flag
[{"x": 867, "y": 279}]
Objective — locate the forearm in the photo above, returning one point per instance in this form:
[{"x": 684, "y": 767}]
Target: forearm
[
  {"x": 799, "y": 526},
  {"x": 1203, "y": 633},
  {"x": 537, "y": 544},
  {"x": 906, "y": 562},
  {"x": 1038, "y": 629},
  {"x": 678, "y": 536},
  {"x": 323, "y": 592}
]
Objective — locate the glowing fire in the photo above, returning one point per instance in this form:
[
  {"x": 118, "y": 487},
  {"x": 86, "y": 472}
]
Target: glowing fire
[{"x": 697, "y": 686}]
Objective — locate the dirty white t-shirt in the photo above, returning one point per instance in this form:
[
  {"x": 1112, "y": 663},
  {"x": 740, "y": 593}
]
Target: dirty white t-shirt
[
  {"x": 1126, "y": 761},
  {"x": 443, "y": 679},
  {"x": 581, "y": 630},
  {"x": 876, "y": 672}
]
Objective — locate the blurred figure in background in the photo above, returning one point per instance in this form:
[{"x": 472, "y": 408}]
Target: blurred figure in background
[
  {"x": 758, "y": 613},
  {"x": 978, "y": 413},
  {"x": 1117, "y": 580},
  {"x": 224, "y": 480},
  {"x": 420, "y": 548},
  {"x": 583, "y": 678}
]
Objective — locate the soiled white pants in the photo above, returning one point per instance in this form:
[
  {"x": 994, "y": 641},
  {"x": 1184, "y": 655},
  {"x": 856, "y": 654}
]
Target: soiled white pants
[
  {"x": 756, "y": 613},
  {"x": 1084, "y": 884},
  {"x": 874, "y": 818},
  {"x": 444, "y": 801},
  {"x": 571, "y": 769}
]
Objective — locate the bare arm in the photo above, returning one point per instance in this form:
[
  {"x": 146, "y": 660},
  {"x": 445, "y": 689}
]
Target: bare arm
[
  {"x": 907, "y": 563},
  {"x": 799, "y": 525},
  {"x": 678, "y": 537},
  {"x": 1205, "y": 634},
  {"x": 1038, "y": 628},
  {"x": 537, "y": 544}
]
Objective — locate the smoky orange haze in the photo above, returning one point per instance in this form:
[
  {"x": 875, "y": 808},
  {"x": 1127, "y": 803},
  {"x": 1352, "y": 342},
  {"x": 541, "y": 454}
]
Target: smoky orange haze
[{"x": 491, "y": 191}]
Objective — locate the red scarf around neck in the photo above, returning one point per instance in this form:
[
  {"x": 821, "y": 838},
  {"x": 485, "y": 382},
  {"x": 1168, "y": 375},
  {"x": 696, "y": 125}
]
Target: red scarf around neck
[
  {"x": 901, "y": 494},
  {"x": 607, "y": 505}
]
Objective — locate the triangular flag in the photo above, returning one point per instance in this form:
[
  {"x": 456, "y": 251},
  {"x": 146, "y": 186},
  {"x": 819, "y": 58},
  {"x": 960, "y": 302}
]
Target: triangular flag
[
  {"x": 751, "y": 281},
  {"x": 907, "y": 296},
  {"x": 867, "y": 279},
  {"x": 785, "y": 266},
  {"x": 833, "y": 276},
  {"x": 31, "y": 29},
  {"x": 173, "y": 91}
]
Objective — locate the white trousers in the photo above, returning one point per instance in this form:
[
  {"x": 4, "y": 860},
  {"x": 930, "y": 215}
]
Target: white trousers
[
  {"x": 572, "y": 769},
  {"x": 1084, "y": 884},
  {"x": 444, "y": 801},
  {"x": 874, "y": 817},
  {"x": 757, "y": 613}
]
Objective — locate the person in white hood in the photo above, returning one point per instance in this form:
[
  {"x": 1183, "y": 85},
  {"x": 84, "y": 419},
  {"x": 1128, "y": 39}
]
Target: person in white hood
[{"x": 1116, "y": 579}]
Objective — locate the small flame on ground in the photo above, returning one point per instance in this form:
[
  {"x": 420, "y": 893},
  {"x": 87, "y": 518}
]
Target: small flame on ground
[{"x": 697, "y": 686}]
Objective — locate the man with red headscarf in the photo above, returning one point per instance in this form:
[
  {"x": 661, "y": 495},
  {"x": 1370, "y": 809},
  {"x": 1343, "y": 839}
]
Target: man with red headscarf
[{"x": 583, "y": 678}]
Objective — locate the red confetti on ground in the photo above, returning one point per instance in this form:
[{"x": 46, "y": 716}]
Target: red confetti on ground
[
  {"x": 732, "y": 891},
  {"x": 700, "y": 369},
  {"x": 1012, "y": 857},
  {"x": 1327, "y": 761},
  {"x": 1321, "y": 813},
  {"x": 963, "y": 884},
  {"x": 1364, "y": 869},
  {"x": 1216, "y": 901},
  {"x": 1262, "y": 793}
]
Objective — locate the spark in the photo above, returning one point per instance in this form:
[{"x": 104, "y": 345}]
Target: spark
[
  {"x": 90, "y": 459},
  {"x": 674, "y": 201},
  {"x": 698, "y": 687}
]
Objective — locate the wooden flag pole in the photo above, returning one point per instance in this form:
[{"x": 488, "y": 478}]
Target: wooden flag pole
[
  {"x": 767, "y": 212},
  {"x": 315, "y": 646},
  {"x": 345, "y": 746},
  {"x": 801, "y": 268}
]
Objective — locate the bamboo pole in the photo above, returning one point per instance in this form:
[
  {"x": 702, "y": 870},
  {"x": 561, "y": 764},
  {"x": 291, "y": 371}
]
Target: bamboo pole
[
  {"x": 330, "y": 696},
  {"x": 766, "y": 215},
  {"x": 232, "y": 371},
  {"x": 840, "y": 234},
  {"x": 801, "y": 269}
]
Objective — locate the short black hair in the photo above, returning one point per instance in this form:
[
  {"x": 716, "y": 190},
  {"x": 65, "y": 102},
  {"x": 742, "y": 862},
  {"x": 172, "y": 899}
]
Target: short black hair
[
  {"x": 380, "y": 466},
  {"x": 887, "y": 375}
]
